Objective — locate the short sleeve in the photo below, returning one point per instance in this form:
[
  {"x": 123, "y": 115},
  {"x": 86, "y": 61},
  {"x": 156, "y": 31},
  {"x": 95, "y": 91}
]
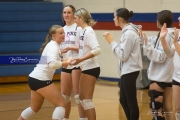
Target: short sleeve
[
  {"x": 77, "y": 36},
  {"x": 52, "y": 54},
  {"x": 91, "y": 40}
]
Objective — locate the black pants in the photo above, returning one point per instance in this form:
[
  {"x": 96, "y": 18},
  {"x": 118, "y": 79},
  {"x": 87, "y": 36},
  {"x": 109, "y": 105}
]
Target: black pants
[{"x": 128, "y": 98}]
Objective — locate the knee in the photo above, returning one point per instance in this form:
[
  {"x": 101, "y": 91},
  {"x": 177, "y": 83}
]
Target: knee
[
  {"x": 81, "y": 97},
  {"x": 66, "y": 98},
  {"x": 155, "y": 104},
  {"x": 168, "y": 108},
  {"x": 76, "y": 97},
  {"x": 87, "y": 104},
  {"x": 27, "y": 113},
  {"x": 58, "y": 113},
  {"x": 122, "y": 101},
  {"x": 177, "y": 108},
  {"x": 35, "y": 109}
]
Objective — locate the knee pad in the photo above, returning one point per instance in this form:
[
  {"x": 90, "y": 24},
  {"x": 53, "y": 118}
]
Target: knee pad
[
  {"x": 81, "y": 103},
  {"x": 58, "y": 113},
  {"x": 155, "y": 105},
  {"x": 67, "y": 98},
  {"x": 87, "y": 104},
  {"x": 154, "y": 94},
  {"x": 177, "y": 116},
  {"x": 159, "y": 118},
  {"x": 27, "y": 113},
  {"x": 76, "y": 97}
]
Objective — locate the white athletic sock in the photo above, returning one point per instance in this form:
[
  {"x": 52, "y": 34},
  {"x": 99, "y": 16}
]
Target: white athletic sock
[
  {"x": 177, "y": 116},
  {"x": 65, "y": 118}
]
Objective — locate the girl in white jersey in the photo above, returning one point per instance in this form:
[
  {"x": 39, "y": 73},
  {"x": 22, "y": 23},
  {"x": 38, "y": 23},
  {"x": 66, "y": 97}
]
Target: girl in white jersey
[
  {"x": 88, "y": 50},
  {"x": 70, "y": 76},
  {"x": 129, "y": 55},
  {"x": 40, "y": 79},
  {"x": 160, "y": 70},
  {"x": 170, "y": 52}
]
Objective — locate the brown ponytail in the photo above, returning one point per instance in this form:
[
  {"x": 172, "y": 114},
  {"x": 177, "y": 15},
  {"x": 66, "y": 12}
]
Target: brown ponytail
[{"x": 52, "y": 31}]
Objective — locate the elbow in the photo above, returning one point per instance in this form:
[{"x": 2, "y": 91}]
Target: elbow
[
  {"x": 170, "y": 55},
  {"x": 178, "y": 52},
  {"x": 96, "y": 51},
  {"x": 124, "y": 59},
  {"x": 52, "y": 66},
  {"x": 55, "y": 64}
]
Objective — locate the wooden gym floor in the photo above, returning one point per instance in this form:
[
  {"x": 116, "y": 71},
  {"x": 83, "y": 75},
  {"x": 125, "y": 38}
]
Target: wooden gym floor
[{"x": 14, "y": 98}]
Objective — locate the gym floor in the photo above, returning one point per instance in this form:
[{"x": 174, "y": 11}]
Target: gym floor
[{"x": 14, "y": 98}]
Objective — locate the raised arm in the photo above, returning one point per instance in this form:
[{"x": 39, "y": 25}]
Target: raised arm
[
  {"x": 168, "y": 51},
  {"x": 176, "y": 44},
  {"x": 153, "y": 54}
]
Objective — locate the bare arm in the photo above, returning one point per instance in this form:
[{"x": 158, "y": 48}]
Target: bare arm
[
  {"x": 73, "y": 48},
  {"x": 94, "y": 52}
]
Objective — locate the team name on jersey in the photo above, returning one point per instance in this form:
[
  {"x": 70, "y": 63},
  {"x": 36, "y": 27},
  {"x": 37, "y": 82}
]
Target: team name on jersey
[
  {"x": 81, "y": 38},
  {"x": 80, "y": 47},
  {"x": 71, "y": 33},
  {"x": 70, "y": 42}
]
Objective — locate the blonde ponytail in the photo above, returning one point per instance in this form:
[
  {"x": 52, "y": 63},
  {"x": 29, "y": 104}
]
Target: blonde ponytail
[
  {"x": 48, "y": 37},
  {"x": 52, "y": 31},
  {"x": 86, "y": 16},
  {"x": 91, "y": 22}
]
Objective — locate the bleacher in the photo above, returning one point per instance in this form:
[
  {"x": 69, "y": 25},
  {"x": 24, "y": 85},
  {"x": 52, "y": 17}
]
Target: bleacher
[{"x": 23, "y": 28}]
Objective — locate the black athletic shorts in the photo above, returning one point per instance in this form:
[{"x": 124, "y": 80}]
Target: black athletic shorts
[
  {"x": 163, "y": 85},
  {"x": 69, "y": 70},
  {"x": 93, "y": 72},
  {"x": 36, "y": 84},
  {"x": 175, "y": 83}
]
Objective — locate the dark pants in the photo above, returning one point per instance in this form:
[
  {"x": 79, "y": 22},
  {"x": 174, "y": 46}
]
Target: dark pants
[{"x": 128, "y": 98}]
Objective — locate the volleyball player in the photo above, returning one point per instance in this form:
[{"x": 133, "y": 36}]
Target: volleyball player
[
  {"x": 160, "y": 70},
  {"x": 88, "y": 50},
  {"x": 70, "y": 76},
  {"x": 40, "y": 79},
  {"x": 173, "y": 51}
]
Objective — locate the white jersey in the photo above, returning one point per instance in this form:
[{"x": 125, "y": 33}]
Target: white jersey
[
  {"x": 42, "y": 71},
  {"x": 71, "y": 40},
  {"x": 176, "y": 74},
  {"x": 87, "y": 42}
]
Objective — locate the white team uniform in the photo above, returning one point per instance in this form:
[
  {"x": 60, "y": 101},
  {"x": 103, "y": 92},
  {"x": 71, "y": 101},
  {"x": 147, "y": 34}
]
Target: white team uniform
[
  {"x": 71, "y": 39},
  {"x": 42, "y": 71},
  {"x": 176, "y": 74},
  {"x": 87, "y": 42}
]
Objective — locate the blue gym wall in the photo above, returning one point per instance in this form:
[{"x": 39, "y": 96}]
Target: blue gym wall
[{"x": 23, "y": 29}]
